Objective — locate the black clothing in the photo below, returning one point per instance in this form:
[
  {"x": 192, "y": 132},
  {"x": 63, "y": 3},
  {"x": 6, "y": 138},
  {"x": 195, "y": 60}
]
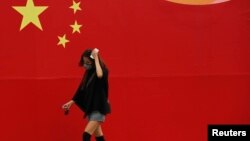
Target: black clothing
[
  {"x": 101, "y": 138},
  {"x": 86, "y": 136},
  {"x": 92, "y": 93}
]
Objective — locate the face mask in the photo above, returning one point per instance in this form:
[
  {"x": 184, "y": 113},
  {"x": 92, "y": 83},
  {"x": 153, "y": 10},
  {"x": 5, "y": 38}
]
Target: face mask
[{"x": 87, "y": 66}]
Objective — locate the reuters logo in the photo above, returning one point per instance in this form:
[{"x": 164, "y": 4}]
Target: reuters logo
[{"x": 198, "y": 2}]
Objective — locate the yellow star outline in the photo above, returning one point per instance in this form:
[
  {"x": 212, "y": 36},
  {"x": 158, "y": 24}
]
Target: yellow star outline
[
  {"x": 75, "y": 6},
  {"x": 63, "y": 40},
  {"x": 30, "y": 14},
  {"x": 76, "y": 27}
]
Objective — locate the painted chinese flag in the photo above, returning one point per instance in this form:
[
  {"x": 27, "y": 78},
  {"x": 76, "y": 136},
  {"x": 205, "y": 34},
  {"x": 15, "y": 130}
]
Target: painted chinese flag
[{"x": 175, "y": 66}]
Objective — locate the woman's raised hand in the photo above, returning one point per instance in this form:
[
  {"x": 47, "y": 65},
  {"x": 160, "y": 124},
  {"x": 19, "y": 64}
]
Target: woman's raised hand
[{"x": 94, "y": 52}]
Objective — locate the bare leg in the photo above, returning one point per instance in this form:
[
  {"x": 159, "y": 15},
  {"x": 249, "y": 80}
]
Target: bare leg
[
  {"x": 98, "y": 132},
  {"x": 89, "y": 130},
  {"x": 91, "y": 127}
]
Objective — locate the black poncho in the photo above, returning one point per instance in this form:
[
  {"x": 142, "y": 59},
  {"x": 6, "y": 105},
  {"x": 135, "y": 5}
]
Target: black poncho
[{"x": 92, "y": 93}]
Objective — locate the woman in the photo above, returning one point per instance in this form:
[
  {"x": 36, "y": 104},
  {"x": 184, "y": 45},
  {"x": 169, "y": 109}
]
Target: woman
[{"x": 92, "y": 94}]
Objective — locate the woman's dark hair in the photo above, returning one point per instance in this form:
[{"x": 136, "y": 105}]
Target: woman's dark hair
[{"x": 87, "y": 54}]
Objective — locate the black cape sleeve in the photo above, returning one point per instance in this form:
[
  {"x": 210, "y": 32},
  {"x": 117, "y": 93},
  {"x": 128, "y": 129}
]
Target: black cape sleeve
[
  {"x": 94, "y": 95},
  {"x": 78, "y": 97}
]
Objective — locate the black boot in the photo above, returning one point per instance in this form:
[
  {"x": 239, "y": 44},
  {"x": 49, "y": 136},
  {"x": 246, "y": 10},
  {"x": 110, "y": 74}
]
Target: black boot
[
  {"x": 86, "y": 136},
  {"x": 100, "y": 138}
]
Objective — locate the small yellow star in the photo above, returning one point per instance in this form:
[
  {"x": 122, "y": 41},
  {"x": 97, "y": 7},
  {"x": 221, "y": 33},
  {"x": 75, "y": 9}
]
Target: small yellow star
[
  {"x": 30, "y": 14},
  {"x": 62, "y": 40},
  {"x": 75, "y": 6},
  {"x": 76, "y": 27}
]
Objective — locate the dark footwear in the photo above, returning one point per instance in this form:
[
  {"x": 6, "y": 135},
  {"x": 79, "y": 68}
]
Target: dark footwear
[
  {"x": 86, "y": 136},
  {"x": 100, "y": 138}
]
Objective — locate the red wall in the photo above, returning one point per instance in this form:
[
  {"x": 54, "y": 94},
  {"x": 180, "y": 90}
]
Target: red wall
[{"x": 174, "y": 69}]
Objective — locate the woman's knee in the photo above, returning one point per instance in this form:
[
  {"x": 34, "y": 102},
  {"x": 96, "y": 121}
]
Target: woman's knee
[
  {"x": 91, "y": 127},
  {"x": 98, "y": 132}
]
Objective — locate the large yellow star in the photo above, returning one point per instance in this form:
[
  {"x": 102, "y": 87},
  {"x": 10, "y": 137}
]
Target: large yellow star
[
  {"x": 76, "y": 27},
  {"x": 30, "y": 14},
  {"x": 63, "y": 40},
  {"x": 75, "y": 6}
]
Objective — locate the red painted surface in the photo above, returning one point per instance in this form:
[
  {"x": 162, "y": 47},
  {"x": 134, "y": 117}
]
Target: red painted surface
[{"x": 173, "y": 69}]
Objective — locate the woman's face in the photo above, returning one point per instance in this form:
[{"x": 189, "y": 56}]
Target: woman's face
[{"x": 87, "y": 63}]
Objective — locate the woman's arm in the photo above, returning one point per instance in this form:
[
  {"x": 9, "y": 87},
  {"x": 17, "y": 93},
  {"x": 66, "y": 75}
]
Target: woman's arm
[
  {"x": 71, "y": 102},
  {"x": 67, "y": 105},
  {"x": 99, "y": 70}
]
